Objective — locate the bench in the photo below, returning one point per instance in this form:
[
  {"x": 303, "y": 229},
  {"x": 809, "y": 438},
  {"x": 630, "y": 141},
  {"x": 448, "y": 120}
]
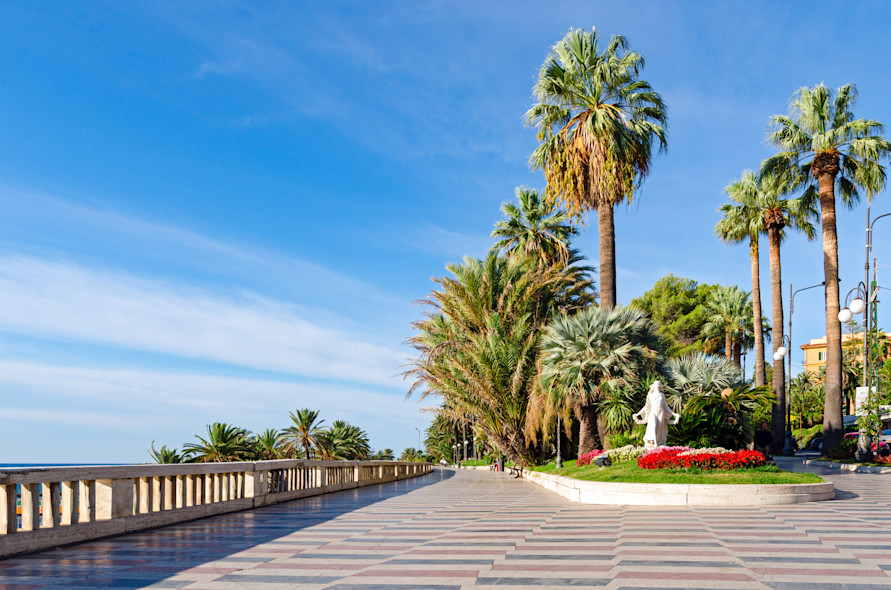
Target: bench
[{"x": 516, "y": 471}]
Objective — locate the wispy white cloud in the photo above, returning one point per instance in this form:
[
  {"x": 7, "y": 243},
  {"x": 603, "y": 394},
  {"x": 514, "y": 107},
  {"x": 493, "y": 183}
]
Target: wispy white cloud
[
  {"x": 439, "y": 240},
  {"x": 171, "y": 407},
  {"x": 62, "y": 300}
]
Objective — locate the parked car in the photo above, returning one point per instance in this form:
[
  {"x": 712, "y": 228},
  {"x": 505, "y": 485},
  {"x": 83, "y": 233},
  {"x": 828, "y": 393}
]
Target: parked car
[{"x": 817, "y": 443}]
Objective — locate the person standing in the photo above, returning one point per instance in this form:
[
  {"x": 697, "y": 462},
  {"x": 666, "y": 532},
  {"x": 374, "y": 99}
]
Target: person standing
[{"x": 763, "y": 439}]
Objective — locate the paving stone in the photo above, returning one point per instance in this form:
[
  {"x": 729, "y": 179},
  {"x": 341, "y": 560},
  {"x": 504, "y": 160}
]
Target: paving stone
[{"x": 459, "y": 530}]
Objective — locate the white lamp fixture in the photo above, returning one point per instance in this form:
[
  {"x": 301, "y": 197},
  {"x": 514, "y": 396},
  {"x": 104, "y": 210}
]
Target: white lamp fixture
[
  {"x": 781, "y": 351},
  {"x": 846, "y": 315},
  {"x": 777, "y": 357},
  {"x": 857, "y": 306}
]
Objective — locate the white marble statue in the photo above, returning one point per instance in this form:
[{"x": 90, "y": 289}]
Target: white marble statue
[{"x": 657, "y": 416}]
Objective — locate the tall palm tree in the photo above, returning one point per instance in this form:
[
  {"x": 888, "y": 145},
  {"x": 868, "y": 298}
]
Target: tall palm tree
[
  {"x": 597, "y": 122},
  {"x": 304, "y": 434},
  {"x": 742, "y": 221},
  {"x": 825, "y": 150},
  {"x": 586, "y": 356},
  {"x": 534, "y": 229},
  {"x": 779, "y": 214},
  {"x": 730, "y": 312}
]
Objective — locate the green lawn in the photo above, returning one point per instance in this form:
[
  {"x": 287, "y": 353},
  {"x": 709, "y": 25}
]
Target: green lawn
[{"x": 629, "y": 472}]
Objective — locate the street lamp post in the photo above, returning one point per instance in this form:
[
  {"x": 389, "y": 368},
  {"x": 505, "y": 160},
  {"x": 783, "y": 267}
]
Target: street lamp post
[
  {"x": 465, "y": 450},
  {"x": 559, "y": 458},
  {"x": 786, "y": 350},
  {"x": 419, "y": 438},
  {"x": 855, "y": 306}
]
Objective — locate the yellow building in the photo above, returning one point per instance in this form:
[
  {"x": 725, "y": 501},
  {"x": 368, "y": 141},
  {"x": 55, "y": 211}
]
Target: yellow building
[{"x": 815, "y": 350}]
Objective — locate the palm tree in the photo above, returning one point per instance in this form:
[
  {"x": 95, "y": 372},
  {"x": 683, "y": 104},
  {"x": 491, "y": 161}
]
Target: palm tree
[
  {"x": 587, "y": 356},
  {"x": 344, "y": 441},
  {"x": 825, "y": 150},
  {"x": 224, "y": 442},
  {"x": 304, "y": 434},
  {"x": 165, "y": 455},
  {"x": 742, "y": 221},
  {"x": 477, "y": 350},
  {"x": 268, "y": 444},
  {"x": 777, "y": 215},
  {"x": 597, "y": 122},
  {"x": 730, "y": 313},
  {"x": 697, "y": 374},
  {"x": 533, "y": 229}
]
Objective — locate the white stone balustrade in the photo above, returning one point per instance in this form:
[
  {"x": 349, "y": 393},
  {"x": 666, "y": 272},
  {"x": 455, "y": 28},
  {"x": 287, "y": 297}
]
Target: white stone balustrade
[{"x": 48, "y": 507}]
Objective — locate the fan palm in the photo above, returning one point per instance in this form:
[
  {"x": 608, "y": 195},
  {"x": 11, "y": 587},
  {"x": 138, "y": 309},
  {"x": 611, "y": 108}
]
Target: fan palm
[
  {"x": 697, "y": 374},
  {"x": 224, "y": 442},
  {"x": 824, "y": 150},
  {"x": 742, "y": 221},
  {"x": 597, "y": 122},
  {"x": 587, "y": 356},
  {"x": 534, "y": 229},
  {"x": 304, "y": 434}
]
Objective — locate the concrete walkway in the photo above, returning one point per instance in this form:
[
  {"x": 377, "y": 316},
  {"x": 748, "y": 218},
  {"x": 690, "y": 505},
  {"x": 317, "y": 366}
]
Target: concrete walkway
[{"x": 476, "y": 529}]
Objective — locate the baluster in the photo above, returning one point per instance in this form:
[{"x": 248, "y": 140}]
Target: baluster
[
  {"x": 8, "y": 509},
  {"x": 30, "y": 506},
  {"x": 50, "y": 493}
]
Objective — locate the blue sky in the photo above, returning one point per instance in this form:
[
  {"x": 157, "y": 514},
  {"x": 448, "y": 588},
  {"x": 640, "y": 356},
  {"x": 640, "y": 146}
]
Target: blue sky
[{"x": 224, "y": 211}]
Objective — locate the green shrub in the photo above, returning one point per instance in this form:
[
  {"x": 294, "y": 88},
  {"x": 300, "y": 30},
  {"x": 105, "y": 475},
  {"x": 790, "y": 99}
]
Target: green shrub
[{"x": 844, "y": 450}]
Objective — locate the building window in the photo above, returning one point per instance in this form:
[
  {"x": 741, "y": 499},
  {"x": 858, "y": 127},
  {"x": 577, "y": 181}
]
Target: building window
[{"x": 821, "y": 356}]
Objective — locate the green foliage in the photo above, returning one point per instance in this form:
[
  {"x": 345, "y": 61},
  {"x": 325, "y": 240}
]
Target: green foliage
[
  {"x": 165, "y": 455},
  {"x": 267, "y": 445},
  {"x": 304, "y": 433},
  {"x": 677, "y": 307},
  {"x": 697, "y": 374},
  {"x": 224, "y": 442},
  {"x": 533, "y": 229},
  {"x": 597, "y": 122},
  {"x": 804, "y": 436},
  {"x": 720, "y": 419},
  {"x": 343, "y": 441},
  {"x": 478, "y": 348},
  {"x": 633, "y": 437},
  {"x": 844, "y": 450},
  {"x": 384, "y": 455},
  {"x": 594, "y": 357}
]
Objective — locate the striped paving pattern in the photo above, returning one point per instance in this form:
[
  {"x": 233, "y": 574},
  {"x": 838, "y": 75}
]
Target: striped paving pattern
[{"x": 456, "y": 530}]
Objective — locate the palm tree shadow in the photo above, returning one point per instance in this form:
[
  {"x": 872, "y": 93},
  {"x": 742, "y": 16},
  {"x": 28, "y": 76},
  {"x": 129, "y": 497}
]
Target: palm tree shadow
[{"x": 140, "y": 559}]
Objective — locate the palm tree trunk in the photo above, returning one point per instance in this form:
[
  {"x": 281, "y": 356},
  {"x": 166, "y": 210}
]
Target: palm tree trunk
[
  {"x": 589, "y": 437},
  {"x": 728, "y": 345},
  {"x": 607, "y": 231},
  {"x": 737, "y": 354},
  {"x": 760, "y": 372},
  {"x": 833, "y": 429},
  {"x": 779, "y": 373}
]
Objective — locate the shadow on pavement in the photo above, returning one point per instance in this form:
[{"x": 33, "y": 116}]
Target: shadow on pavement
[{"x": 150, "y": 557}]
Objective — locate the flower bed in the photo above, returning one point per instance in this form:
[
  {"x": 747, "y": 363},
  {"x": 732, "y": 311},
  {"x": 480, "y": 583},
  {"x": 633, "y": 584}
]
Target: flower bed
[
  {"x": 626, "y": 453},
  {"x": 684, "y": 458}
]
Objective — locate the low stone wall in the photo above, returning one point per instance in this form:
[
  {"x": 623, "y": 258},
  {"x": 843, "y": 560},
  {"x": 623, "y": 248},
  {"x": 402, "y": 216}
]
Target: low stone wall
[
  {"x": 656, "y": 494},
  {"x": 48, "y": 507},
  {"x": 848, "y": 466}
]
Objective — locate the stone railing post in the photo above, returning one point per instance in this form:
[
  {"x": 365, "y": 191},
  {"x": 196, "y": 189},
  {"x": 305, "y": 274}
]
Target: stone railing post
[{"x": 114, "y": 498}]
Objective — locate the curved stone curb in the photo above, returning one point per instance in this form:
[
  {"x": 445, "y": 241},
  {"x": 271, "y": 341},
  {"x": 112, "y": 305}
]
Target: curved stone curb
[
  {"x": 674, "y": 494},
  {"x": 847, "y": 466}
]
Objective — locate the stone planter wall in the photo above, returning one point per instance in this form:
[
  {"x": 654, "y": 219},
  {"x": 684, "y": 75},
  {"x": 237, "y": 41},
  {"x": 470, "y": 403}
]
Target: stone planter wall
[{"x": 654, "y": 494}]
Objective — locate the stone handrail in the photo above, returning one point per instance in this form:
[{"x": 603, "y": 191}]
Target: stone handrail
[{"x": 47, "y": 507}]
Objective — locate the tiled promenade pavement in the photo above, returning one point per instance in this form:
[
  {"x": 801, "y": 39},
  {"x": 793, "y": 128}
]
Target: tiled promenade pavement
[{"x": 473, "y": 529}]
